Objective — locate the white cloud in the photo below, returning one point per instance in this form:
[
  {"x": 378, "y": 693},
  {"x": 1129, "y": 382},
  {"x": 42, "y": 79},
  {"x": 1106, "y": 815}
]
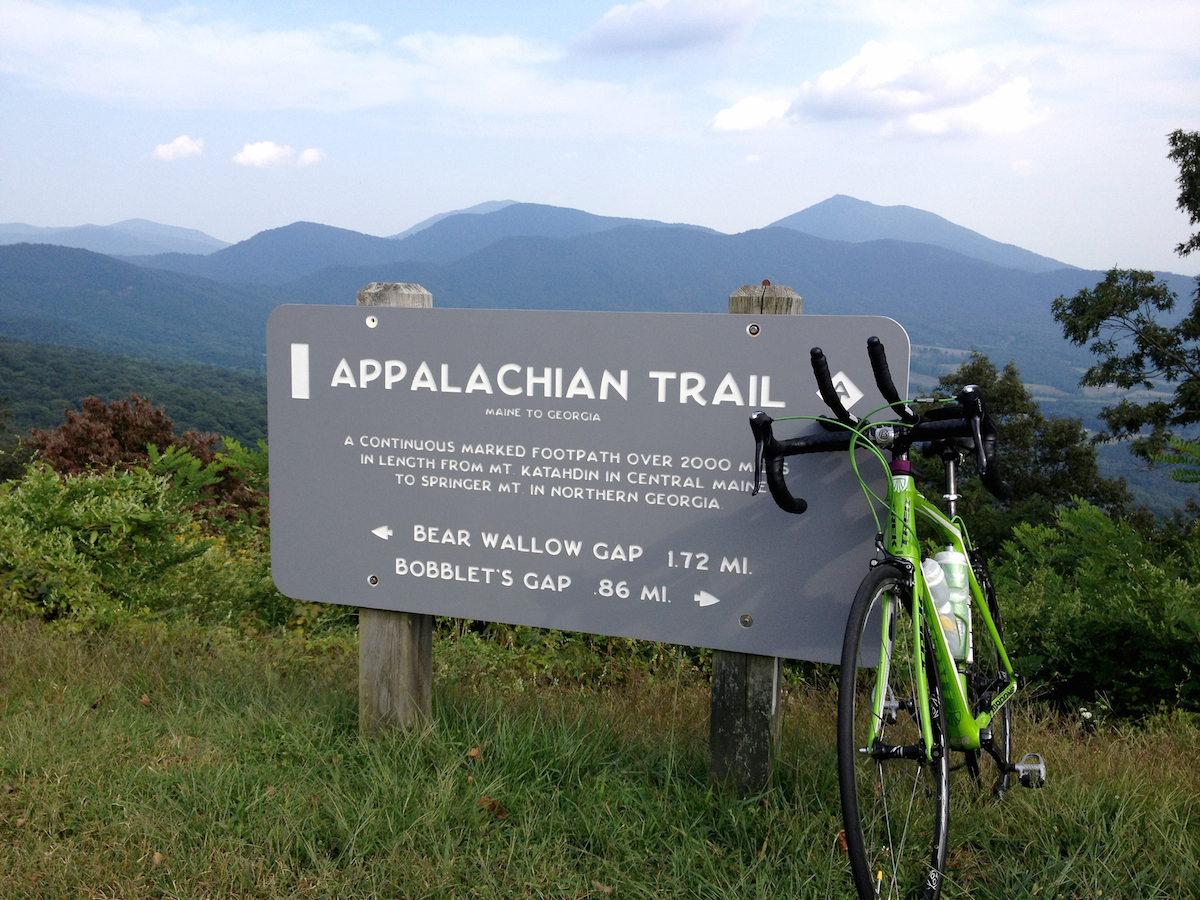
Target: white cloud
[
  {"x": 1006, "y": 110},
  {"x": 180, "y": 148},
  {"x": 186, "y": 59},
  {"x": 751, "y": 113},
  {"x": 753, "y": 159},
  {"x": 669, "y": 25},
  {"x": 907, "y": 91},
  {"x": 263, "y": 153},
  {"x": 1163, "y": 26},
  {"x": 310, "y": 156},
  {"x": 467, "y": 51}
]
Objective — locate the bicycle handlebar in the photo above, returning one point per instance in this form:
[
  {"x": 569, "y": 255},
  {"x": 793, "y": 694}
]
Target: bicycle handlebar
[
  {"x": 883, "y": 380},
  {"x": 968, "y": 418},
  {"x": 828, "y": 392}
]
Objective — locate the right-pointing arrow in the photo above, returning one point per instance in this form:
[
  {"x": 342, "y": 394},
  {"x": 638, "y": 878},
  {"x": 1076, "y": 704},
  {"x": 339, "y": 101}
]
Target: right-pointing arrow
[{"x": 704, "y": 598}]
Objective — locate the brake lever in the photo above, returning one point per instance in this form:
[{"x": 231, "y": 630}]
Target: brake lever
[
  {"x": 760, "y": 425},
  {"x": 971, "y": 401},
  {"x": 764, "y": 443},
  {"x": 980, "y": 457}
]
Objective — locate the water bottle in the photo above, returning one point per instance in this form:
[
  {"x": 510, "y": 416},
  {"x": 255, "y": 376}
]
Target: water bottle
[
  {"x": 935, "y": 579},
  {"x": 955, "y": 567}
]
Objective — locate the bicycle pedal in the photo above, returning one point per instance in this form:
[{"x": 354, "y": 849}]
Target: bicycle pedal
[{"x": 1031, "y": 770}]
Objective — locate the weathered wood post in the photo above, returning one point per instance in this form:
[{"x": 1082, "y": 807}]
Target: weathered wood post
[
  {"x": 395, "y": 649},
  {"x": 744, "y": 705}
]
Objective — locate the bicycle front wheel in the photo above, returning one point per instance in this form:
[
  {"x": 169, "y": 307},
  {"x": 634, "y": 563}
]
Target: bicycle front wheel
[{"x": 895, "y": 800}]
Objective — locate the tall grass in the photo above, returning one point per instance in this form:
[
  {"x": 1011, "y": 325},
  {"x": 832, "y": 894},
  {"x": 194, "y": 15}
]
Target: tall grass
[{"x": 176, "y": 761}]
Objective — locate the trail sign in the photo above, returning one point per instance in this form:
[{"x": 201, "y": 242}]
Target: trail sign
[{"x": 584, "y": 471}]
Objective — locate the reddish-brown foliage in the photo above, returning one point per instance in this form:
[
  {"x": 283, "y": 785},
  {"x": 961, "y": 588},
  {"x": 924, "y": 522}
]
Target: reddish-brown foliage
[{"x": 104, "y": 436}]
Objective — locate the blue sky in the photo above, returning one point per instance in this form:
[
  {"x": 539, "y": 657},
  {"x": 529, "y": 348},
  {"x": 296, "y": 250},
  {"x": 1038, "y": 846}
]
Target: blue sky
[{"x": 1041, "y": 124}]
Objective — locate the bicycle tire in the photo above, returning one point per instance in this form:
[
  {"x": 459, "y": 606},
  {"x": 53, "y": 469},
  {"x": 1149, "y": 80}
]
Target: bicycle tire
[
  {"x": 895, "y": 811},
  {"x": 984, "y": 678}
]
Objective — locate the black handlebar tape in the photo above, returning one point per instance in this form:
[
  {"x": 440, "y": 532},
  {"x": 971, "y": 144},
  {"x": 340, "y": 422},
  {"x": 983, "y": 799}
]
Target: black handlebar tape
[
  {"x": 821, "y": 442},
  {"x": 883, "y": 380},
  {"x": 768, "y": 453},
  {"x": 779, "y": 490},
  {"x": 825, "y": 385}
]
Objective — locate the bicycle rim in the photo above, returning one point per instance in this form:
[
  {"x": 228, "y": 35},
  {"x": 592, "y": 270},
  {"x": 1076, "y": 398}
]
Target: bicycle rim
[
  {"x": 895, "y": 810},
  {"x": 986, "y": 677}
]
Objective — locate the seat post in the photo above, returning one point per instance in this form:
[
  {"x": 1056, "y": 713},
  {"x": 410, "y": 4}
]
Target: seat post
[{"x": 952, "y": 496}]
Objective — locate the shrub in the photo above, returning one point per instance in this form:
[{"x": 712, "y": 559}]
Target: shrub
[
  {"x": 91, "y": 544},
  {"x": 97, "y": 546},
  {"x": 132, "y": 433},
  {"x": 1095, "y": 610}
]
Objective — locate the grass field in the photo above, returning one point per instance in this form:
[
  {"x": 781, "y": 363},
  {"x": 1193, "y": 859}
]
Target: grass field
[{"x": 180, "y": 761}]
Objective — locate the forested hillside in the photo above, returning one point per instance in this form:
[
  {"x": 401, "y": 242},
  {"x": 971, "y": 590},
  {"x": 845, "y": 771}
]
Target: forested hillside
[
  {"x": 60, "y": 295},
  {"x": 40, "y": 381}
]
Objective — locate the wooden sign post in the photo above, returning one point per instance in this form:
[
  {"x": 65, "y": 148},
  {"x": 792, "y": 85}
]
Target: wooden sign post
[
  {"x": 744, "y": 706},
  {"x": 395, "y": 649}
]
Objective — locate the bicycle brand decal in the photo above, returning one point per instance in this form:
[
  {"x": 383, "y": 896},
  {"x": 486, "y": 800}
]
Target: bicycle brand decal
[
  {"x": 1002, "y": 697},
  {"x": 900, "y": 529}
]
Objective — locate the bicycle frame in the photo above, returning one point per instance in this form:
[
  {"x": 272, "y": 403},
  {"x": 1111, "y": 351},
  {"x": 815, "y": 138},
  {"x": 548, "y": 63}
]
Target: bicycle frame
[{"x": 907, "y": 506}]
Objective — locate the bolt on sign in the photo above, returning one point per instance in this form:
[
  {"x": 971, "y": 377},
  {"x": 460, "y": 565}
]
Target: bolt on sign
[{"x": 586, "y": 471}]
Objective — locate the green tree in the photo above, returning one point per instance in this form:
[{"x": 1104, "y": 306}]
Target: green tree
[
  {"x": 1120, "y": 319},
  {"x": 1096, "y": 610},
  {"x": 1047, "y": 460},
  {"x": 1185, "y": 152},
  {"x": 1184, "y": 459},
  {"x": 14, "y": 456}
]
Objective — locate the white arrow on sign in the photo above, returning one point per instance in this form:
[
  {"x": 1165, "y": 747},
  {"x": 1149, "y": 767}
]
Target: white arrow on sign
[
  {"x": 704, "y": 598},
  {"x": 382, "y": 531}
]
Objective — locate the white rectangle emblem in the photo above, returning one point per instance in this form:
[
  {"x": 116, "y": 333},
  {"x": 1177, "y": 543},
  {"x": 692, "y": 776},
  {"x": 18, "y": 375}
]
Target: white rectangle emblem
[{"x": 299, "y": 371}]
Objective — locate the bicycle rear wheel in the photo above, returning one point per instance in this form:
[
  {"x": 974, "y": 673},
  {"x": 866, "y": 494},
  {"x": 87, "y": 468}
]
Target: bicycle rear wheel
[
  {"x": 895, "y": 802},
  {"x": 986, "y": 677}
]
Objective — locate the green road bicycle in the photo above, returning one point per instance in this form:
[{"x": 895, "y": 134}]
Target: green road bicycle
[{"x": 924, "y": 672}]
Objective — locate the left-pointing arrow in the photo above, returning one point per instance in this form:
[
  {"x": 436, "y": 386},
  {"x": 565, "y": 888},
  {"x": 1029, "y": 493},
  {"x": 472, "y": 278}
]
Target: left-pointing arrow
[{"x": 382, "y": 531}]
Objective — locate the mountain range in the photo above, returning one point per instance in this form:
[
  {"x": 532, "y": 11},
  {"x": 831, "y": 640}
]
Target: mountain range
[
  {"x": 285, "y": 254},
  {"x": 128, "y": 238},
  {"x": 302, "y": 248},
  {"x": 952, "y": 288}
]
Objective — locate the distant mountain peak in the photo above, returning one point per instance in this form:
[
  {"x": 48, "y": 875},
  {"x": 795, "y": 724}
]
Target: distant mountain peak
[
  {"x": 488, "y": 206},
  {"x": 845, "y": 218}
]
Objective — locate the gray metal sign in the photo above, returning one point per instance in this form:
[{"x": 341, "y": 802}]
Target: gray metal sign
[{"x": 584, "y": 471}]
